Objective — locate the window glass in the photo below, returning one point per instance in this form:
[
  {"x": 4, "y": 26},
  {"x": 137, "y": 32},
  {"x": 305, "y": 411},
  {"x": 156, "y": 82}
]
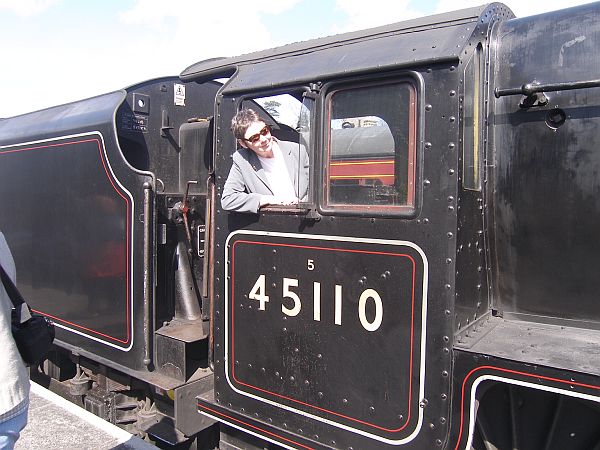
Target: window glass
[
  {"x": 471, "y": 122},
  {"x": 371, "y": 149}
]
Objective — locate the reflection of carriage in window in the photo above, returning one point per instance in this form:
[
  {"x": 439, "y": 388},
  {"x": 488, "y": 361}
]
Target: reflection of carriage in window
[{"x": 372, "y": 147}]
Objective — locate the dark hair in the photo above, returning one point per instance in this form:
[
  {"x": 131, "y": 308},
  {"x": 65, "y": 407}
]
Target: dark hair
[{"x": 242, "y": 120}]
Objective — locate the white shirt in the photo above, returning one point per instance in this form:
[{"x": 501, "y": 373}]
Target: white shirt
[{"x": 278, "y": 176}]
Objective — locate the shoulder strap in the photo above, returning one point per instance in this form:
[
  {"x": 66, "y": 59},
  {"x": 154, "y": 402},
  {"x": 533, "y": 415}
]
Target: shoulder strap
[{"x": 11, "y": 289}]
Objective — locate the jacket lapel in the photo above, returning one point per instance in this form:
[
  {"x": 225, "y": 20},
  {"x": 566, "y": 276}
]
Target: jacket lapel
[
  {"x": 291, "y": 162},
  {"x": 257, "y": 168}
]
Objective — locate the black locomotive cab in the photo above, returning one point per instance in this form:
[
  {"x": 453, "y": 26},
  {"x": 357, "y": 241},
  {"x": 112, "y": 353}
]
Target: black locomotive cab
[{"x": 434, "y": 287}]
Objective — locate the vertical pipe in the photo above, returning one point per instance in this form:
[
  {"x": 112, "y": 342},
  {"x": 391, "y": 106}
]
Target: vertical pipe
[
  {"x": 148, "y": 291},
  {"x": 210, "y": 269}
]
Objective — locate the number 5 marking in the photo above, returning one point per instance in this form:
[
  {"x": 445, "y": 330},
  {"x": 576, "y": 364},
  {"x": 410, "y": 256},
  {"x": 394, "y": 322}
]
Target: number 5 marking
[
  {"x": 310, "y": 265},
  {"x": 287, "y": 283}
]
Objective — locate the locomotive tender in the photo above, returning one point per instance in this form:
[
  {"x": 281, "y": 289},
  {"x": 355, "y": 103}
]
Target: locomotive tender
[{"x": 438, "y": 288}]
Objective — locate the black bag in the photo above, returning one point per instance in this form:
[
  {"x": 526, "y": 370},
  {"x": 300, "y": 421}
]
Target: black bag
[{"x": 33, "y": 333}]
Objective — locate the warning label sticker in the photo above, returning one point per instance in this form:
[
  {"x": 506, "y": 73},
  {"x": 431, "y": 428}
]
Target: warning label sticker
[{"x": 179, "y": 94}]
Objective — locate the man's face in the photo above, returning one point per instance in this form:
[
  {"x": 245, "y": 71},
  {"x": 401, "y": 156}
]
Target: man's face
[{"x": 258, "y": 139}]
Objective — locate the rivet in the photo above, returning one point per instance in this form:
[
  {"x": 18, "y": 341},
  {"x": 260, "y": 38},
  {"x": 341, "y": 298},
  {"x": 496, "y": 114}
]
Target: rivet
[
  {"x": 427, "y": 144},
  {"x": 428, "y": 107},
  {"x": 452, "y": 119},
  {"x": 451, "y": 145},
  {"x": 450, "y": 171},
  {"x": 452, "y": 93},
  {"x": 426, "y": 183}
]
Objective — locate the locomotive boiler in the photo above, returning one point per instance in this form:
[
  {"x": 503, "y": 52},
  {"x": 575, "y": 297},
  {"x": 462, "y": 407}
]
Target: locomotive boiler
[{"x": 437, "y": 288}]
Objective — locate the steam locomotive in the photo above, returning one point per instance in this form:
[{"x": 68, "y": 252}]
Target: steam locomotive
[{"x": 437, "y": 289}]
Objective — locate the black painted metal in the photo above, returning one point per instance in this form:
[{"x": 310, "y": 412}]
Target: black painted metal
[
  {"x": 545, "y": 199},
  {"x": 308, "y": 381},
  {"x": 78, "y": 271}
]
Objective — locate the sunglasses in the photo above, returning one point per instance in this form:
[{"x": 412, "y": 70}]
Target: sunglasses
[{"x": 256, "y": 137}]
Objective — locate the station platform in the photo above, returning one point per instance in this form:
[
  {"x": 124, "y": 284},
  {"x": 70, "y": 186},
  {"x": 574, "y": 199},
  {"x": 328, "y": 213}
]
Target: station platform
[{"x": 55, "y": 423}]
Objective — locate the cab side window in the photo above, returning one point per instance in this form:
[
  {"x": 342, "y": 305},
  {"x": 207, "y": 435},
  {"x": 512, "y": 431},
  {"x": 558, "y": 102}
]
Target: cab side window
[
  {"x": 289, "y": 118},
  {"x": 371, "y": 148}
]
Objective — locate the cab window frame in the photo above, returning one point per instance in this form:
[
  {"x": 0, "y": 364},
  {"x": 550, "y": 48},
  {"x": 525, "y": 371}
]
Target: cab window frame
[
  {"x": 251, "y": 97},
  {"x": 413, "y": 154}
]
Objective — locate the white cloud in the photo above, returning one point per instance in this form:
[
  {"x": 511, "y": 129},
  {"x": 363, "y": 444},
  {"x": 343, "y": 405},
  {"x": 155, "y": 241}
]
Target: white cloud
[
  {"x": 521, "y": 8},
  {"x": 27, "y": 8},
  {"x": 207, "y": 29},
  {"x": 378, "y": 12},
  {"x": 381, "y": 12},
  {"x": 529, "y": 8}
]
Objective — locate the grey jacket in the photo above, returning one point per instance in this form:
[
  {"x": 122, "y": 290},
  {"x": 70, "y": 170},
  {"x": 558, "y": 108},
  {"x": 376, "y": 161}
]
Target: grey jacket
[
  {"x": 247, "y": 182},
  {"x": 14, "y": 380}
]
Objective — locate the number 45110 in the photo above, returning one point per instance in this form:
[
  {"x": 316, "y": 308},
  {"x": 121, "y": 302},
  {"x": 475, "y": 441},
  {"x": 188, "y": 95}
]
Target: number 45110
[{"x": 258, "y": 292}]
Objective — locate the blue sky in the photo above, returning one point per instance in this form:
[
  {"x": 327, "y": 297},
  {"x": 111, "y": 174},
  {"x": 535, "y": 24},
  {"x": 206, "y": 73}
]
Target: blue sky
[{"x": 57, "y": 51}]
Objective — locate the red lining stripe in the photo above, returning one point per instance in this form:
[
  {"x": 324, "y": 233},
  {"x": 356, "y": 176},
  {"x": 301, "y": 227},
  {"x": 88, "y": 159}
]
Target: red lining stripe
[
  {"x": 218, "y": 413},
  {"x": 307, "y": 404},
  {"x": 512, "y": 372},
  {"x": 128, "y": 272}
]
